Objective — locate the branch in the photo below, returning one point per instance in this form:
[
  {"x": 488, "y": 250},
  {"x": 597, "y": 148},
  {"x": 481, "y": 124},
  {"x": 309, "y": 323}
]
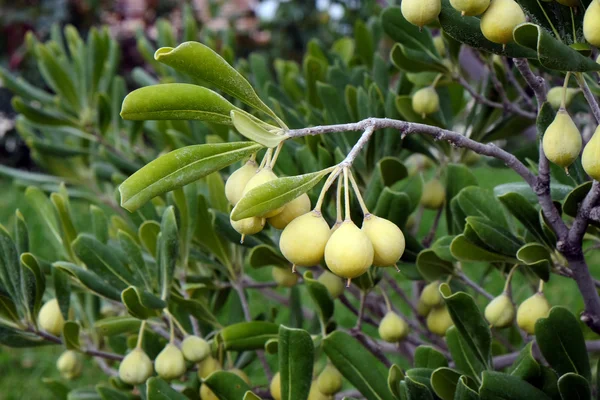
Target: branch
[
  {"x": 536, "y": 83},
  {"x": 513, "y": 80},
  {"x": 92, "y": 352},
  {"x": 474, "y": 286},
  {"x": 589, "y": 96},
  {"x": 581, "y": 221}
]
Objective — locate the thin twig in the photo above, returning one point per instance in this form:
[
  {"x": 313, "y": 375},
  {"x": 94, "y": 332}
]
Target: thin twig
[
  {"x": 431, "y": 235},
  {"x": 469, "y": 282},
  {"x": 589, "y": 96}
]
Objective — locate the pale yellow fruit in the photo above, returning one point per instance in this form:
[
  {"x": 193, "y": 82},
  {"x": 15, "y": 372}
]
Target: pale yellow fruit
[
  {"x": 241, "y": 374},
  {"x": 292, "y": 210},
  {"x": 169, "y": 363},
  {"x": 69, "y": 364},
  {"x": 263, "y": 176},
  {"x": 349, "y": 252},
  {"x": 195, "y": 349},
  {"x": 591, "y": 24},
  {"x": 430, "y": 296},
  {"x": 329, "y": 381},
  {"x": 207, "y": 367},
  {"x": 532, "y": 309},
  {"x": 425, "y": 101},
  {"x": 248, "y": 226},
  {"x": 207, "y": 394},
  {"x": 555, "y": 96},
  {"x": 50, "y": 318},
  {"x": 440, "y": 46},
  {"x": 422, "y": 308},
  {"x": 333, "y": 283},
  {"x": 303, "y": 241},
  {"x": 387, "y": 240},
  {"x": 234, "y": 187},
  {"x": 315, "y": 393},
  {"x": 470, "y": 7},
  {"x": 590, "y": 159},
  {"x": 420, "y": 12},
  {"x": 433, "y": 195},
  {"x": 417, "y": 162},
  {"x": 275, "y": 387},
  {"x": 393, "y": 328},
  {"x": 284, "y": 277},
  {"x": 500, "y": 312},
  {"x": 562, "y": 140},
  {"x": 135, "y": 368},
  {"x": 439, "y": 320},
  {"x": 500, "y": 19}
]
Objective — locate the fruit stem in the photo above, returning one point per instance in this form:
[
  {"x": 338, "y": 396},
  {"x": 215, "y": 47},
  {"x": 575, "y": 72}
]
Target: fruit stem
[
  {"x": 326, "y": 186},
  {"x": 509, "y": 278},
  {"x": 338, "y": 202},
  {"x": 179, "y": 326},
  {"x": 541, "y": 287},
  {"x": 346, "y": 198},
  {"x": 388, "y": 305},
  {"x": 436, "y": 80},
  {"x": 363, "y": 206},
  {"x": 253, "y": 158},
  {"x": 171, "y": 328},
  {"x": 141, "y": 335},
  {"x": 563, "y": 103},
  {"x": 276, "y": 155},
  {"x": 266, "y": 159}
]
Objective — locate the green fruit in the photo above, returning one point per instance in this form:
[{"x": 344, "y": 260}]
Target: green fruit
[
  {"x": 420, "y": 12},
  {"x": 50, "y": 318},
  {"x": 416, "y": 163},
  {"x": 422, "y": 308},
  {"x": 207, "y": 367},
  {"x": 433, "y": 195},
  {"x": 234, "y": 187},
  {"x": 555, "y": 96},
  {"x": 393, "y": 328},
  {"x": 590, "y": 159},
  {"x": 169, "y": 363},
  {"x": 470, "y": 7},
  {"x": 329, "y": 381},
  {"x": 440, "y": 46},
  {"x": 315, "y": 393},
  {"x": 333, "y": 283},
  {"x": 275, "y": 387},
  {"x": 292, "y": 210},
  {"x": 387, "y": 240},
  {"x": 532, "y": 309},
  {"x": 425, "y": 101},
  {"x": 135, "y": 368},
  {"x": 591, "y": 24},
  {"x": 500, "y": 19},
  {"x": 303, "y": 241},
  {"x": 69, "y": 364},
  {"x": 439, "y": 320},
  {"x": 195, "y": 349},
  {"x": 471, "y": 158},
  {"x": 349, "y": 252},
  {"x": 263, "y": 176},
  {"x": 430, "y": 296},
  {"x": 562, "y": 140},
  {"x": 284, "y": 277},
  {"x": 206, "y": 393},
  {"x": 248, "y": 226},
  {"x": 500, "y": 312}
]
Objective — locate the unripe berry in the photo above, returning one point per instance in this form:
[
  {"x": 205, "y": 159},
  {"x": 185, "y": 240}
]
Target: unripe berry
[
  {"x": 439, "y": 320},
  {"x": 425, "y": 101},
  {"x": 241, "y": 374},
  {"x": 387, "y": 240},
  {"x": 206, "y": 393},
  {"x": 440, "y": 46},
  {"x": 470, "y": 7},
  {"x": 532, "y": 309},
  {"x": 333, "y": 283},
  {"x": 329, "y": 381},
  {"x": 195, "y": 349},
  {"x": 234, "y": 187},
  {"x": 430, "y": 296},
  {"x": 416, "y": 163},
  {"x": 248, "y": 226},
  {"x": 562, "y": 140},
  {"x": 303, "y": 241},
  {"x": 500, "y": 312},
  {"x": 207, "y": 367},
  {"x": 590, "y": 159},
  {"x": 349, "y": 252},
  {"x": 275, "y": 387},
  {"x": 433, "y": 195},
  {"x": 284, "y": 277},
  {"x": 393, "y": 328},
  {"x": 422, "y": 308},
  {"x": 591, "y": 23},
  {"x": 263, "y": 176},
  {"x": 500, "y": 19},
  {"x": 555, "y": 96},
  {"x": 315, "y": 393},
  {"x": 69, "y": 364},
  {"x": 421, "y": 12},
  {"x": 169, "y": 363},
  {"x": 50, "y": 318},
  {"x": 135, "y": 368},
  {"x": 292, "y": 210}
]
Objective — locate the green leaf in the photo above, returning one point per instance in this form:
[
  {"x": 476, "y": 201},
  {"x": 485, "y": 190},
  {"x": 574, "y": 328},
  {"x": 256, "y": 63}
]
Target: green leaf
[
  {"x": 479, "y": 202},
  {"x": 557, "y": 191},
  {"x": 496, "y": 237},
  {"x": 500, "y": 386},
  {"x": 264, "y": 255},
  {"x": 57, "y": 77},
  {"x": 320, "y": 295},
  {"x": 432, "y": 267},
  {"x": 91, "y": 280},
  {"x": 251, "y": 396},
  {"x": 99, "y": 223},
  {"x": 428, "y": 357},
  {"x": 40, "y": 116},
  {"x": 58, "y": 389},
  {"x": 464, "y": 391},
  {"x": 464, "y": 250},
  {"x": 573, "y": 200},
  {"x": 24, "y": 89},
  {"x": 172, "y": 101},
  {"x": 402, "y": 31},
  {"x": 364, "y": 42},
  {"x": 157, "y": 389},
  {"x": 248, "y": 335},
  {"x": 395, "y": 376},
  {"x": 140, "y": 304},
  {"x": 458, "y": 176},
  {"x": 227, "y": 385},
  {"x": 110, "y": 393},
  {"x": 148, "y": 235},
  {"x": 133, "y": 252},
  {"x": 296, "y": 358},
  {"x": 525, "y": 366},
  {"x": 538, "y": 258},
  {"x": 44, "y": 210},
  {"x": 62, "y": 290},
  {"x": 34, "y": 284},
  {"x": 168, "y": 248},
  {"x": 70, "y": 335},
  {"x": 417, "y": 390},
  {"x": 117, "y": 325},
  {"x": 206, "y": 234},
  {"x": 272, "y": 195},
  {"x": 409, "y": 60},
  {"x": 574, "y": 387},
  {"x": 521, "y": 209},
  {"x": 198, "y": 309},
  {"x": 17, "y": 338},
  {"x": 267, "y": 135},
  {"x": 444, "y": 382},
  {"x": 11, "y": 274}
]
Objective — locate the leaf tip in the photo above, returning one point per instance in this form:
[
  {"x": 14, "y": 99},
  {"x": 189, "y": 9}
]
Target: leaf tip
[{"x": 162, "y": 52}]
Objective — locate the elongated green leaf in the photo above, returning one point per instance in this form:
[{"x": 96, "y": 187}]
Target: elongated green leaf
[
  {"x": 557, "y": 191},
  {"x": 264, "y": 255},
  {"x": 40, "y": 115},
  {"x": 464, "y": 250},
  {"x": 168, "y": 248},
  {"x": 458, "y": 176},
  {"x": 141, "y": 305},
  {"x": 500, "y": 386},
  {"x": 479, "y": 202},
  {"x": 34, "y": 283},
  {"x": 117, "y": 325},
  {"x": 248, "y": 335},
  {"x": 395, "y": 376},
  {"x": 251, "y": 396},
  {"x": 58, "y": 389},
  {"x": 432, "y": 267},
  {"x": 525, "y": 366},
  {"x": 428, "y": 357},
  {"x": 464, "y": 391},
  {"x": 24, "y": 89},
  {"x": 495, "y": 236},
  {"x": 402, "y": 31},
  {"x": 99, "y": 223},
  {"x": 409, "y": 60},
  {"x": 227, "y": 385},
  {"x": 320, "y": 295},
  {"x": 70, "y": 335},
  {"x": 17, "y": 338},
  {"x": 136, "y": 259},
  {"x": 57, "y": 77},
  {"x": 197, "y": 309},
  {"x": 157, "y": 389},
  {"x": 11, "y": 274},
  {"x": 267, "y": 135},
  {"x": 574, "y": 387},
  {"x": 178, "y": 168},
  {"x": 148, "y": 235},
  {"x": 538, "y": 258},
  {"x": 207, "y": 235},
  {"x": 417, "y": 390},
  {"x": 521, "y": 209},
  {"x": 444, "y": 382},
  {"x": 45, "y": 212},
  {"x": 90, "y": 280},
  {"x": 296, "y": 358}
]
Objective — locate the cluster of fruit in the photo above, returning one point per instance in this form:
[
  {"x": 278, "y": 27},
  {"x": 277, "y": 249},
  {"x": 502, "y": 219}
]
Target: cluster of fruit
[{"x": 327, "y": 384}]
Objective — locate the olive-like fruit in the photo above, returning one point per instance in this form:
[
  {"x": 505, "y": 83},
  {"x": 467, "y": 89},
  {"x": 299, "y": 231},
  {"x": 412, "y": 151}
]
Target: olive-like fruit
[
  {"x": 263, "y": 176},
  {"x": 169, "y": 363},
  {"x": 420, "y": 12},
  {"x": 416, "y": 163},
  {"x": 470, "y": 7},
  {"x": 315, "y": 393},
  {"x": 439, "y": 320},
  {"x": 440, "y": 46},
  {"x": 69, "y": 364},
  {"x": 500, "y": 19},
  {"x": 329, "y": 381},
  {"x": 303, "y": 241},
  {"x": 333, "y": 283},
  {"x": 207, "y": 367},
  {"x": 248, "y": 226},
  {"x": 195, "y": 349},
  {"x": 275, "y": 387},
  {"x": 430, "y": 296},
  {"x": 387, "y": 240},
  {"x": 234, "y": 187},
  {"x": 500, "y": 312},
  {"x": 433, "y": 195},
  {"x": 284, "y": 277},
  {"x": 562, "y": 140},
  {"x": 349, "y": 252},
  {"x": 422, "y": 308},
  {"x": 393, "y": 328},
  {"x": 50, "y": 318},
  {"x": 206, "y": 393},
  {"x": 532, "y": 309},
  {"x": 591, "y": 24},
  {"x": 555, "y": 96},
  {"x": 136, "y": 367},
  {"x": 425, "y": 101},
  {"x": 590, "y": 159},
  {"x": 292, "y": 210}
]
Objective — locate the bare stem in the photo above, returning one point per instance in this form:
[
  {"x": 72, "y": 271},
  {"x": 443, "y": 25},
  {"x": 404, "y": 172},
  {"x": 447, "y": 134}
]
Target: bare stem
[{"x": 589, "y": 96}]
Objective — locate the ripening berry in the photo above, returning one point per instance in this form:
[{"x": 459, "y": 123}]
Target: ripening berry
[
  {"x": 195, "y": 349},
  {"x": 393, "y": 328},
  {"x": 500, "y": 19},
  {"x": 69, "y": 364},
  {"x": 422, "y": 308},
  {"x": 433, "y": 195},
  {"x": 590, "y": 159},
  {"x": 329, "y": 381},
  {"x": 562, "y": 140},
  {"x": 207, "y": 367},
  {"x": 248, "y": 226},
  {"x": 241, "y": 374},
  {"x": 421, "y": 12},
  {"x": 284, "y": 277},
  {"x": 50, "y": 318},
  {"x": 500, "y": 312},
  {"x": 333, "y": 283},
  {"x": 430, "y": 296},
  {"x": 470, "y": 7},
  {"x": 234, "y": 187},
  {"x": 591, "y": 24},
  {"x": 532, "y": 309},
  {"x": 425, "y": 101},
  {"x": 387, "y": 240},
  {"x": 303, "y": 241},
  {"x": 275, "y": 387},
  {"x": 439, "y": 320},
  {"x": 206, "y": 393},
  {"x": 315, "y": 393},
  {"x": 349, "y": 252},
  {"x": 440, "y": 46},
  {"x": 263, "y": 176},
  {"x": 555, "y": 96},
  {"x": 292, "y": 210},
  {"x": 416, "y": 163},
  {"x": 135, "y": 368},
  {"x": 169, "y": 363}
]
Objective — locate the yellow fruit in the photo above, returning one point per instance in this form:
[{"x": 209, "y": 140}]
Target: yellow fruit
[
  {"x": 439, "y": 320},
  {"x": 241, "y": 374},
  {"x": 329, "y": 381},
  {"x": 430, "y": 296},
  {"x": 206, "y": 393},
  {"x": 433, "y": 195},
  {"x": 303, "y": 241},
  {"x": 500, "y": 19},
  {"x": 292, "y": 210},
  {"x": 135, "y": 368},
  {"x": 195, "y": 349},
  {"x": 387, "y": 240},
  {"x": 440, "y": 46},
  {"x": 333, "y": 283},
  {"x": 69, "y": 364},
  {"x": 562, "y": 140},
  {"x": 275, "y": 387},
  {"x": 169, "y": 363},
  {"x": 500, "y": 312},
  {"x": 315, "y": 393},
  {"x": 532, "y": 309},
  {"x": 470, "y": 7},
  {"x": 234, "y": 187},
  {"x": 590, "y": 159},
  {"x": 422, "y": 308},
  {"x": 207, "y": 367},
  {"x": 421, "y": 12},
  {"x": 555, "y": 96},
  {"x": 284, "y": 277},
  {"x": 248, "y": 226},
  {"x": 416, "y": 163},
  {"x": 50, "y": 318},
  {"x": 425, "y": 101},
  {"x": 349, "y": 252},
  {"x": 263, "y": 176},
  {"x": 591, "y": 24},
  {"x": 393, "y": 328}
]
